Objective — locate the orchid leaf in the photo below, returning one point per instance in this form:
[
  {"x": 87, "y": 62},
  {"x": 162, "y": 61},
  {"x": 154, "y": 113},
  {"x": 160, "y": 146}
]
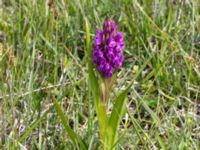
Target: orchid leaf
[{"x": 73, "y": 136}]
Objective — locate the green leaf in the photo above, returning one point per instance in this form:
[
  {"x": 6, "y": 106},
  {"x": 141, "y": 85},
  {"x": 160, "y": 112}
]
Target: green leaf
[
  {"x": 116, "y": 116},
  {"x": 94, "y": 88},
  {"x": 117, "y": 111},
  {"x": 74, "y": 137}
]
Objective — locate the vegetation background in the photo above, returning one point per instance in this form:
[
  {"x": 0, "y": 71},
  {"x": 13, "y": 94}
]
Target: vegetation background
[{"x": 43, "y": 57}]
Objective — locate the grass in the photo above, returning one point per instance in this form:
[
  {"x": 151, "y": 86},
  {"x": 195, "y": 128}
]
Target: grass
[{"x": 43, "y": 61}]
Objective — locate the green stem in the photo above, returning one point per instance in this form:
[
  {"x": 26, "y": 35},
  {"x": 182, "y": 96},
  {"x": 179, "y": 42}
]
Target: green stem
[{"x": 106, "y": 85}]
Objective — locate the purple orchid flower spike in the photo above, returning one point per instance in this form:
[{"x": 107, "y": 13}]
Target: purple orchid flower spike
[{"x": 108, "y": 49}]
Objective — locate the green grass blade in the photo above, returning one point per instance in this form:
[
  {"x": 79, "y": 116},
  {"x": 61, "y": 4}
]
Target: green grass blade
[
  {"x": 89, "y": 65},
  {"x": 148, "y": 109},
  {"x": 138, "y": 129},
  {"x": 87, "y": 30},
  {"x": 74, "y": 137},
  {"x": 34, "y": 125}
]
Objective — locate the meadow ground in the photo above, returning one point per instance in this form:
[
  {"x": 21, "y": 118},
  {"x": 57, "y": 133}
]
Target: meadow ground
[{"x": 43, "y": 58}]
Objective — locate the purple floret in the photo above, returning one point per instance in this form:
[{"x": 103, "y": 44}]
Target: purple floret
[{"x": 108, "y": 49}]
